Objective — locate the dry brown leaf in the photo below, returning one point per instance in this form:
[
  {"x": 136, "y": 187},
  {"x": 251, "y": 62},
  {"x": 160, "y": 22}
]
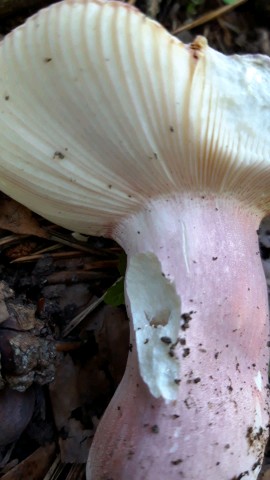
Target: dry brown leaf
[
  {"x": 33, "y": 467},
  {"x": 112, "y": 337},
  {"x": 74, "y": 439},
  {"x": 18, "y": 219},
  {"x": 265, "y": 474}
]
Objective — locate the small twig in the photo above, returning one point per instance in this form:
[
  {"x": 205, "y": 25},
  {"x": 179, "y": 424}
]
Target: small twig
[
  {"x": 79, "y": 318},
  {"x": 55, "y": 470},
  {"x": 34, "y": 257},
  {"x": 49, "y": 249},
  {"x": 11, "y": 238},
  {"x": 77, "y": 472},
  {"x": 77, "y": 245},
  {"x": 207, "y": 17}
]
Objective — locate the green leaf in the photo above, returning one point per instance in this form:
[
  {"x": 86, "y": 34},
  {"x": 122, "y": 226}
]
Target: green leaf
[
  {"x": 115, "y": 294},
  {"x": 229, "y": 2},
  {"x": 191, "y": 10},
  {"x": 122, "y": 264}
]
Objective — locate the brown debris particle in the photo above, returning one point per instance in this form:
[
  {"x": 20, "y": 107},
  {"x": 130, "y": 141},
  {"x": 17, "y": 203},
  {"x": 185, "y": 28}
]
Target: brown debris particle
[
  {"x": 166, "y": 340},
  {"x": 186, "y": 352},
  {"x": 58, "y": 155},
  {"x": 186, "y": 317},
  {"x": 176, "y": 462}
]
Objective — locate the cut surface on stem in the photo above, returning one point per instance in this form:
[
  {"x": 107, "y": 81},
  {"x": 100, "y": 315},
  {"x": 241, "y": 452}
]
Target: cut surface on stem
[{"x": 155, "y": 309}]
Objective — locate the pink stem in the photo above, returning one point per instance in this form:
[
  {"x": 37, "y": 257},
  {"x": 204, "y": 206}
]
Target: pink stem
[{"x": 217, "y": 426}]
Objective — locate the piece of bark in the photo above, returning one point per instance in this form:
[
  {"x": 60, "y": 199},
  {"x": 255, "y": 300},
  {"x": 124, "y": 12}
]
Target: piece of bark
[{"x": 26, "y": 359}]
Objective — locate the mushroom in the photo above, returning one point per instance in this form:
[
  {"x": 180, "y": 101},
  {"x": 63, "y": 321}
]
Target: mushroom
[{"x": 111, "y": 126}]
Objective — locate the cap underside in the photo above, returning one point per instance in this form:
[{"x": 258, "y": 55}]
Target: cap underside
[{"x": 101, "y": 110}]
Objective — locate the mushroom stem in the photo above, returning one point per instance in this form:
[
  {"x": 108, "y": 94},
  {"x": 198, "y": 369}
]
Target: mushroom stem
[{"x": 211, "y": 421}]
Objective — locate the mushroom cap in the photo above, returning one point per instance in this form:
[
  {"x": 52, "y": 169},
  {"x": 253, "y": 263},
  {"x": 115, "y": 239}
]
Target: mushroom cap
[{"x": 102, "y": 110}]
